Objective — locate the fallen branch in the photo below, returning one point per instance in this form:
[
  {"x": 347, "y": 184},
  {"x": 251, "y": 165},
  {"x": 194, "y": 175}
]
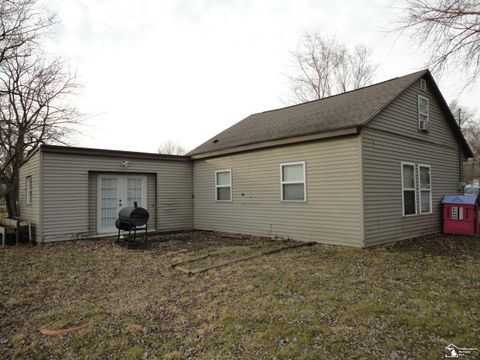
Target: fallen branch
[
  {"x": 62, "y": 332},
  {"x": 184, "y": 270},
  {"x": 174, "y": 265},
  {"x": 204, "y": 269},
  {"x": 176, "y": 252},
  {"x": 183, "y": 262}
]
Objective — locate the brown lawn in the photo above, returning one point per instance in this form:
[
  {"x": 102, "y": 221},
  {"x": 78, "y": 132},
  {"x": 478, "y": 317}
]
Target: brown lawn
[{"x": 409, "y": 300}]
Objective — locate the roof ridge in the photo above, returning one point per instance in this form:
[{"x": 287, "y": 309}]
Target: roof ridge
[{"x": 343, "y": 93}]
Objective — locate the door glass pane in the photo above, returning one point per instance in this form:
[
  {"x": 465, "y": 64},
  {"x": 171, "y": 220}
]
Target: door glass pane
[
  {"x": 108, "y": 202},
  {"x": 425, "y": 201},
  {"x": 134, "y": 191},
  {"x": 223, "y": 193},
  {"x": 223, "y": 178},
  {"x": 409, "y": 202},
  {"x": 292, "y": 172},
  {"x": 408, "y": 177},
  {"x": 293, "y": 192},
  {"x": 424, "y": 178}
]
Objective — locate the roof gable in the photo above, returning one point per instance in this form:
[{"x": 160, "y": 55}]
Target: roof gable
[{"x": 401, "y": 116}]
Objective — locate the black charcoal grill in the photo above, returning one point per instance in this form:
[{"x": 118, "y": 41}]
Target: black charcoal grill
[{"x": 130, "y": 219}]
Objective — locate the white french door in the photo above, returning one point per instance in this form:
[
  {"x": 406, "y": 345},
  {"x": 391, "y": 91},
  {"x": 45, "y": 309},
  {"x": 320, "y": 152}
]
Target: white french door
[{"x": 114, "y": 192}]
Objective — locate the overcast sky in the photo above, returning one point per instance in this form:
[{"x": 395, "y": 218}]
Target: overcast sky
[{"x": 185, "y": 70}]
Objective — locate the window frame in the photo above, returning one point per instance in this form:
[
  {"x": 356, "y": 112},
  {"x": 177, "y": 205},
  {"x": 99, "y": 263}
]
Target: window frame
[
  {"x": 423, "y": 85},
  {"x": 223, "y": 186},
  {"x": 304, "y": 182},
  {"x": 420, "y": 189},
  {"x": 422, "y": 113},
  {"x": 457, "y": 213},
  {"x": 28, "y": 190},
  {"x": 409, "y": 189}
]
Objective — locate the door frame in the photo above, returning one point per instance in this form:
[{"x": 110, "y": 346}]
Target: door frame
[{"x": 122, "y": 194}]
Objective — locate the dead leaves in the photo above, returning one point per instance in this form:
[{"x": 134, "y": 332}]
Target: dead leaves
[{"x": 388, "y": 302}]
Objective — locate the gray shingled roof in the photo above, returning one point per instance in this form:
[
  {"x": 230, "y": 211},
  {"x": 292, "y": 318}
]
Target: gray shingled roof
[{"x": 347, "y": 110}]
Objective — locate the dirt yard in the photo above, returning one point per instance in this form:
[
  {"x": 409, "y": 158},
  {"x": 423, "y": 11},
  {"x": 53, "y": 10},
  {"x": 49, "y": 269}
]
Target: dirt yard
[{"x": 404, "y": 301}]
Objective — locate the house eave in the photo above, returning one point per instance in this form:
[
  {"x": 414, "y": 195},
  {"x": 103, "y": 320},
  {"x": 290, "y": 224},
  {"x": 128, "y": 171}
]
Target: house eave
[
  {"x": 278, "y": 142},
  {"x": 110, "y": 153}
]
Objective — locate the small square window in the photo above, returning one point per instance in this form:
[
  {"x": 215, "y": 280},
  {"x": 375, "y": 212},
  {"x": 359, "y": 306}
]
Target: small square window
[
  {"x": 292, "y": 180},
  {"x": 457, "y": 213}
]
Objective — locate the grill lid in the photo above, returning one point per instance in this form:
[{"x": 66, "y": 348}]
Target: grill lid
[{"x": 136, "y": 216}]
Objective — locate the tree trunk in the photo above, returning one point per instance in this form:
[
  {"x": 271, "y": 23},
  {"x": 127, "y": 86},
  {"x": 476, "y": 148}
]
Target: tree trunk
[
  {"x": 11, "y": 202},
  {"x": 11, "y": 197}
]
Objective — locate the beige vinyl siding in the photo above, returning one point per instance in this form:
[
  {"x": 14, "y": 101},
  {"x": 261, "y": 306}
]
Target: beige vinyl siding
[
  {"x": 67, "y": 187},
  {"x": 332, "y": 213},
  {"x": 93, "y": 196},
  {"x": 401, "y": 117},
  {"x": 31, "y": 212},
  {"x": 393, "y": 137}
]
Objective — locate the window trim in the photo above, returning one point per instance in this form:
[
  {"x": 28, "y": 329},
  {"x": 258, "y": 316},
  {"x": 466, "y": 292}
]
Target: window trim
[
  {"x": 423, "y": 84},
  {"x": 409, "y": 189},
  {"x": 420, "y": 189},
  {"x": 454, "y": 212},
  {"x": 304, "y": 182},
  {"x": 28, "y": 190},
  {"x": 222, "y": 186},
  {"x": 421, "y": 113}
]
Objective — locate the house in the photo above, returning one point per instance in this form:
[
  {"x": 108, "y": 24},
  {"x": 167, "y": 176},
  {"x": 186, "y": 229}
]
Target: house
[{"x": 362, "y": 168}]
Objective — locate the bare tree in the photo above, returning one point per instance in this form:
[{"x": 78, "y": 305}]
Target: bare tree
[
  {"x": 34, "y": 92},
  {"x": 323, "y": 66},
  {"x": 450, "y": 29},
  {"x": 463, "y": 115},
  {"x": 472, "y": 135},
  {"x": 469, "y": 123},
  {"x": 170, "y": 147},
  {"x": 22, "y": 23}
]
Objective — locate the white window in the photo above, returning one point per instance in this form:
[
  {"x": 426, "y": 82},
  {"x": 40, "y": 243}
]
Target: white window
[
  {"x": 423, "y": 117},
  {"x": 425, "y": 187},
  {"x": 423, "y": 85},
  {"x": 409, "y": 193},
  {"x": 457, "y": 213},
  {"x": 223, "y": 185},
  {"x": 292, "y": 180},
  {"x": 28, "y": 190}
]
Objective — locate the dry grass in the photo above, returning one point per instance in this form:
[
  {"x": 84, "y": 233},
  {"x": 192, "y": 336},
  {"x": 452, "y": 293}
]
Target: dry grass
[{"x": 404, "y": 301}]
